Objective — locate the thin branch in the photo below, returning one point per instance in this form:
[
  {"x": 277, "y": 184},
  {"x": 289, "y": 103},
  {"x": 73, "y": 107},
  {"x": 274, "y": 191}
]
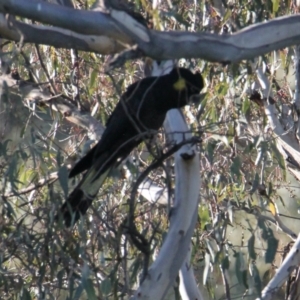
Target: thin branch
[
  {"x": 42, "y": 182},
  {"x": 58, "y": 103}
]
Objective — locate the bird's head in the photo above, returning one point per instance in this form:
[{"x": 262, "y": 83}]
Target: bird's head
[{"x": 187, "y": 84}]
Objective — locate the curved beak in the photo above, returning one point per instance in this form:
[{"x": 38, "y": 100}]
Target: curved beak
[{"x": 195, "y": 99}]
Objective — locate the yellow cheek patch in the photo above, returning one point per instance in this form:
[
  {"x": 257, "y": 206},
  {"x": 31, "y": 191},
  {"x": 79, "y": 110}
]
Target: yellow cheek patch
[{"x": 180, "y": 84}]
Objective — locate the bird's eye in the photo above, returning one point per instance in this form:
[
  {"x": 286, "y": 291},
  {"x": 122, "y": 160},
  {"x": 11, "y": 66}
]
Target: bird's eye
[
  {"x": 194, "y": 90},
  {"x": 194, "y": 98}
]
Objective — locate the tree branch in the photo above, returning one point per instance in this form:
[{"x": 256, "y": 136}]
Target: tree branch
[
  {"x": 31, "y": 92},
  {"x": 57, "y": 37},
  {"x": 290, "y": 263},
  {"x": 162, "y": 274},
  {"x": 247, "y": 43}
]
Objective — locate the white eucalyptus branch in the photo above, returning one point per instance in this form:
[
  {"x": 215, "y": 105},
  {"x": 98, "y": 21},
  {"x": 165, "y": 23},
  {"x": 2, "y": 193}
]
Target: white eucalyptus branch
[
  {"x": 296, "y": 97},
  {"x": 286, "y": 144},
  {"x": 290, "y": 263},
  {"x": 247, "y": 43},
  {"x": 162, "y": 274},
  {"x": 57, "y": 37},
  {"x": 153, "y": 193},
  {"x": 271, "y": 111},
  {"x": 188, "y": 286}
]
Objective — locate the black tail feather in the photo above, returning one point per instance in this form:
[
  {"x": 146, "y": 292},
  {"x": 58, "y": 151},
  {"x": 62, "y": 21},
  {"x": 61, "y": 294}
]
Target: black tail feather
[
  {"x": 84, "y": 164},
  {"x": 81, "y": 198},
  {"x": 76, "y": 205}
]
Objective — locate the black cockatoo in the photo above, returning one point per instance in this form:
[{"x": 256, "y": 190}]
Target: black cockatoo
[{"x": 140, "y": 112}]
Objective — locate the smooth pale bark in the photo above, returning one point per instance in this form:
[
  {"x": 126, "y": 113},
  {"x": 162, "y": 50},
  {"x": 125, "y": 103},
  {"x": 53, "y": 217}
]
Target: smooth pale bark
[
  {"x": 247, "y": 43},
  {"x": 290, "y": 263},
  {"x": 164, "y": 270},
  {"x": 188, "y": 286},
  {"x": 162, "y": 274},
  {"x": 57, "y": 37},
  {"x": 289, "y": 148}
]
